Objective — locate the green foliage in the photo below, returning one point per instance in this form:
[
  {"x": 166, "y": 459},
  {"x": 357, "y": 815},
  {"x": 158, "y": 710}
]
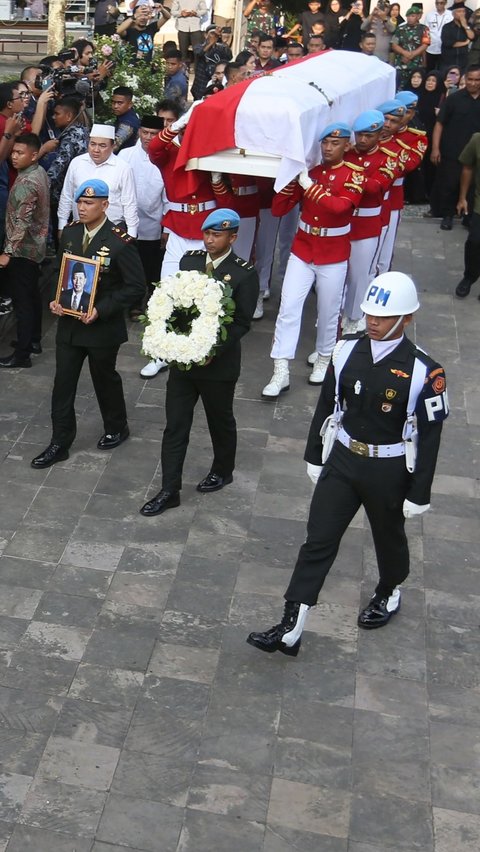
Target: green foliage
[{"x": 145, "y": 78}]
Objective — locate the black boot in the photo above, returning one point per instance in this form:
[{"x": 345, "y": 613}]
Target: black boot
[{"x": 286, "y": 636}]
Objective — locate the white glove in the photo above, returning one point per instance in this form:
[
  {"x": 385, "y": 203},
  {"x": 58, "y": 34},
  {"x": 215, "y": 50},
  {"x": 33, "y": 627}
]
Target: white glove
[
  {"x": 314, "y": 471},
  {"x": 412, "y": 509},
  {"x": 216, "y": 177},
  {"x": 182, "y": 122},
  {"x": 304, "y": 179}
]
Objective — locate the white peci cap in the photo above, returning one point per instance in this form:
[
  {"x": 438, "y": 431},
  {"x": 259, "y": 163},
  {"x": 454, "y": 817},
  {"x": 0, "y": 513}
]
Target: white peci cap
[{"x": 104, "y": 131}]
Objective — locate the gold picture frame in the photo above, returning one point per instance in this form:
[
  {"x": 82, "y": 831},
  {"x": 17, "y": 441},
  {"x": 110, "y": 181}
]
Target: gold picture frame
[{"x": 78, "y": 280}]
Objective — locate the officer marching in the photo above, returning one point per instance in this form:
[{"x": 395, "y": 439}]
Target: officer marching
[
  {"x": 373, "y": 441},
  {"x": 94, "y": 336}
]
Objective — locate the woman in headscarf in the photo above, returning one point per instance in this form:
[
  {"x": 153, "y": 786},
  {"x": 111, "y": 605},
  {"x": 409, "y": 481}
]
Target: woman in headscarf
[
  {"x": 333, "y": 16},
  {"x": 431, "y": 96}
]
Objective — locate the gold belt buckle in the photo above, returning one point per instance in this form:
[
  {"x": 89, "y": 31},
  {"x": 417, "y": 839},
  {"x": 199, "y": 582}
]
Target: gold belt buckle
[
  {"x": 193, "y": 208},
  {"x": 315, "y": 232},
  {"x": 358, "y": 447}
]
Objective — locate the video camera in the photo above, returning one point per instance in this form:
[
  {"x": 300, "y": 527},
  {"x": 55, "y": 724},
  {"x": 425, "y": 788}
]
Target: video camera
[{"x": 66, "y": 81}]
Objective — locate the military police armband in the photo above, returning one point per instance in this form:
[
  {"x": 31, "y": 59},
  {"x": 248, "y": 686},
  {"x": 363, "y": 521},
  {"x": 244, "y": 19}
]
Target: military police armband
[{"x": 435, "y": 396}]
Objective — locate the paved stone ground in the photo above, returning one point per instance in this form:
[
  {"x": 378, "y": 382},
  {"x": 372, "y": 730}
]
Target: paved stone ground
[{"x": 132, "y": 713}]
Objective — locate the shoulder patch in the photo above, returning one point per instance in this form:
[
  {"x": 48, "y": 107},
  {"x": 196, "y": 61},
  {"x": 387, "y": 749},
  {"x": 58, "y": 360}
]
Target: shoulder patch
[{"x": 122, "y": 235}]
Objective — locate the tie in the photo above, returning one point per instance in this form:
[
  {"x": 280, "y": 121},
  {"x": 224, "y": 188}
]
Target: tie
[
  {"x": 86, "y": 241},
  {"x": 75, "y": 303},
  {"x": 209, "y": 268}
]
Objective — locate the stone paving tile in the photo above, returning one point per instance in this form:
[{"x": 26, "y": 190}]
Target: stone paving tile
[
  {"x": 114, "y": 687},
  {"x": 53, "y": 806},
  {"x": 309, "y": 808},
  {"x": 203, "y": 832},
  {"x": 454, "y": 830},
  {"x": 26, "y": 839},
  {"x": 150, "y": 826},
  {"x": 78, "y": 763}
]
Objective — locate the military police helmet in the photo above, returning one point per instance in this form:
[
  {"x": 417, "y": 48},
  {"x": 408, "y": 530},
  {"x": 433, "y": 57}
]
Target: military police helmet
[{"x": 392, "y": 294}]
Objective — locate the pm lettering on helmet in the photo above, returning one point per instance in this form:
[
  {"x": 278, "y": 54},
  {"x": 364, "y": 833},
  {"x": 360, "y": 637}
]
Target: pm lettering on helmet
[{"x": 378, "y": 295}]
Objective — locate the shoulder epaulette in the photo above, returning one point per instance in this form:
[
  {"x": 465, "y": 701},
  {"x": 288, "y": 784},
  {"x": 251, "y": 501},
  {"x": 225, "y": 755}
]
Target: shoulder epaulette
[
  {"x": 354, "y": 166},
  {"x": 417, "y": 131},
  {"x": 121, "y": 234},
  {"x": 195, "y": 252},
  {"x": 75, "y": 222},
  {"x": 243, "y": 263}
]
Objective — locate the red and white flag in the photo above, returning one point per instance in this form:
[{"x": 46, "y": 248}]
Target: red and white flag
[{"x": 281, "y": 114}]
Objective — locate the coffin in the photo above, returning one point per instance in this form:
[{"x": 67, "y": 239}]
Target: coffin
[{"x": 270, "y": 125}]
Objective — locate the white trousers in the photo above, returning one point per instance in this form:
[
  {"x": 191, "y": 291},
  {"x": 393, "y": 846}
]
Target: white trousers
[
  {"x": 176, "y": 248},
  {"x": 246, "y": 234},
  {"x": 329, "y": 282},
  {"x": 359, "y": 276},
  {"x": 385, "y": 255},
  {"x": 286, "y": 232},
  {"x": 265, "y": 246}
]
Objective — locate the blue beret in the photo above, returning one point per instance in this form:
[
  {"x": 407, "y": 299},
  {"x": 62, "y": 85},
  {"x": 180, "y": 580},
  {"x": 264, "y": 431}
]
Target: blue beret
[
  {"x": 92, "y": 189},
  {"x": 408, "y": 99},
  {"x": 337, "y": 129},
  {"x": 222, "y": 219},
  {"x": 368, "y": 121},
  {"x": 392, "y": 107}
]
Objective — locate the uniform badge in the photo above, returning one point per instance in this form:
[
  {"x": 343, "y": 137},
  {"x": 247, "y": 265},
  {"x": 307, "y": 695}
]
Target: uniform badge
[
  {"x": 386, "y": 407},
  {"x": 390, "y": 393},
  {"x": 357, "y": 387},
  {"x": 89, "y": 191},
  {"x": 400, "y": 374},
  {"x": 331, "y": 177},
  {"x": 422, "y": 147},
  {"x": 357, "y": 178},
  {"x": 227, "y": 278},
  {"x": 439, "y": 384}
]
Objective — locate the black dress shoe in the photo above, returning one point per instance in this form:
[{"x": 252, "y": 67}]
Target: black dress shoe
[
  {"x": 286, "y": 636},
  {"x": 379, "y": 611},
  {"x": 214, "y": 482},
  {"x": 35, "y": 348},
  {"x": 160, "y": 503},
  {"x": 15, "y": 361},
  {"x": 53, "y": 454},
  {"x": 447, "y": 223},
  {"x": 463, "y": 288},
  {"x": 113, "y": 439}
]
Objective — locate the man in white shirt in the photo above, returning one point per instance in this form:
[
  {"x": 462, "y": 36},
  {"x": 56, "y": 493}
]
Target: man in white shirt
[
  {"x": 151, "y": 203},
  {"x": 435, "y": 21},
  {"x": 100, "y": 163}
]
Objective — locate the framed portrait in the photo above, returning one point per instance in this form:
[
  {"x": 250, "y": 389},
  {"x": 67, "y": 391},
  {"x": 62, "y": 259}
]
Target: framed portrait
[{"x": 77, "y": 284}]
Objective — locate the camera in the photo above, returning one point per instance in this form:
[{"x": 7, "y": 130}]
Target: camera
[{"x": 62, "y": 80}]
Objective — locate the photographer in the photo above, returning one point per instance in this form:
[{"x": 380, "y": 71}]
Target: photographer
[
  {"x": 350, "y": 27},
  {"x": 382, "y": 27},
  {"x": 139, "y": 33},
  {"x": 208, "y": 55}
]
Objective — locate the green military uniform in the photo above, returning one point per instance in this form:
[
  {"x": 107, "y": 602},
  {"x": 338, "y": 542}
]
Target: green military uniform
[
  {"x": 121, "y": 283},
  {"x": 214, "y": 383}
]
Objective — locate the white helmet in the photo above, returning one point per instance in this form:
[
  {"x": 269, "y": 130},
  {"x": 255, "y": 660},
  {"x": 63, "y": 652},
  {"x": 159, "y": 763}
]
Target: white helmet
[{"x": 392, "y": 294}]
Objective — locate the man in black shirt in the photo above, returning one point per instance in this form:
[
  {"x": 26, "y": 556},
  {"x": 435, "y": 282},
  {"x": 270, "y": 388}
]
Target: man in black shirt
[
  {"x": 456, "y": 37},
  {"x": 458, "y": 120}
]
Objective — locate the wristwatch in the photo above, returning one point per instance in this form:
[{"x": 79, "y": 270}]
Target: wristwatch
[{"x": 8, "y": 136}]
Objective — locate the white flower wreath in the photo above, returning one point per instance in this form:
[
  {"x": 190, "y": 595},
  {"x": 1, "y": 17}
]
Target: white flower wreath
[{"x": 186, "y": 318}]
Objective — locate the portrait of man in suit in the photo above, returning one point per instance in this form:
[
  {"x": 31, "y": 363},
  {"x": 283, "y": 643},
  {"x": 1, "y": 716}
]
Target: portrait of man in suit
[{"x": 76, "y": 297}]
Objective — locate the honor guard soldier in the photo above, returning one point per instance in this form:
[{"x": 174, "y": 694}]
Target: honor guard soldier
[
  {"x": 215, "y": 381},
  {"x": 373, "y": 441},
  {"x": 95, "y": 335},
  {"x": 380, "y": 172},
  {"x": 185, "y": 213},
  {"x": 329, "y": 193},
  {"x": 410, "y": 156}
]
